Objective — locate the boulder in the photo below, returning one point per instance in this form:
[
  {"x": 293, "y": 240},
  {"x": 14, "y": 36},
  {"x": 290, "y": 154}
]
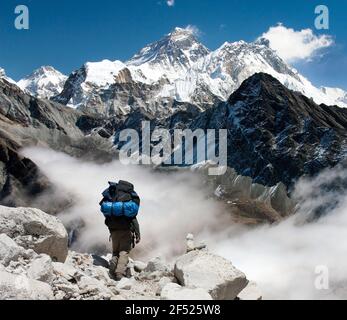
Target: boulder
[
  {"x": 99, "y": 273},
  {"x": 64, "y": 270},
  {"x": 34, "y": 229},
  {"x": 156, "y": 264},
  {"x": 125, "y": 284},
  {"x": 251, "y": 292},
  {"x": 139, "y": 266},
  {"x": 162, "y": 283},
  {"x": 191, "y": 244},
  {"x": 20, "y": 287},
  {"x": 9, "y": 250},
  {"x": 41, "y": 269},
  {"x": 173, "y": 291},
  {"x": 201, "y": 269},
  {"x": 65, "y": 290},
  {"x": 91, "y": 286}
]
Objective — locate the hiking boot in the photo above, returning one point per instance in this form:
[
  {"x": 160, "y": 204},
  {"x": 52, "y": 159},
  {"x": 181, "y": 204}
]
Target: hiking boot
[{"x": 113, "y": 265}]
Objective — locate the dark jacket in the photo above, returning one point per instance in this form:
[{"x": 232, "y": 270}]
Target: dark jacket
[{"x": 122, "y": 191}]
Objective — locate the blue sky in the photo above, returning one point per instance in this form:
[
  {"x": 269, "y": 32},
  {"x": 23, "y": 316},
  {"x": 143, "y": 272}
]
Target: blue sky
[{"x": 66, "y": 34}]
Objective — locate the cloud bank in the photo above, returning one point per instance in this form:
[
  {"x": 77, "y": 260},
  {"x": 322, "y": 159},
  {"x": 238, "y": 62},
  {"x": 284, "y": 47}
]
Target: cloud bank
[
  {"x": 172, "y": 205},
  {"x": 282, "y": 258},
  {"x": 292, "y": 45}
]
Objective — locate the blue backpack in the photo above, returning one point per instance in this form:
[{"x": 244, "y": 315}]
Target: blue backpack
[
  {"x": 120, "y": 200},
  {"x": 118, "y": 209}
]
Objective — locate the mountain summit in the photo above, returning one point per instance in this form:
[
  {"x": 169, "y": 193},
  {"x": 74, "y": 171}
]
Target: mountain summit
[
  {"x": 44, "y": 82},
  {"x": 4, "y": 76},
  {"x": 180, "y": 49}
]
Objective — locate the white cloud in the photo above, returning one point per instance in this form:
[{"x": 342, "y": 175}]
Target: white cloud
[
  {"x": 194, "y": 30},
  {"x": 294, "y": 45},
  {"x": 281, "y": 258},
  {"x": 170, "y": 3}
]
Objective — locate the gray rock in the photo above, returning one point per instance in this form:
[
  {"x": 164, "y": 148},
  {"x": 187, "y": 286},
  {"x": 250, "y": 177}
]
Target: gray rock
[
  {"x": 9, "y": 250},
  {"x": 156, "y": 264},
  {"x": 155, "y": 276},
  {"x": 64, "y": 270},
  {"x": 59, "y": 295},
  {"x": 99, "y": 273},
  {"x": 69, "y": 290},
  {"x": 131, "y": 269},
  {"x": 41, "y": 269},
  {"x": 190, "y": 242},
  {"x": 173, "y": 291},
  {"x": 139, "y": 266},
  {"x": 125, "y": 284},
  {"x": 201, "y": 269},
  {"x": 14, "y": 287},
  {"x": 162, "y": 283},
  {"x": 34, "y": 229},
  {"x": 89, "y": 285},
  {"x": 251, "y": 292}
]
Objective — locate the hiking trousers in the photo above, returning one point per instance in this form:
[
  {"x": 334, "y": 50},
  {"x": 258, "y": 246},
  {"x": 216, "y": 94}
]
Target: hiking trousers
[{"x": 121, "y": 246}]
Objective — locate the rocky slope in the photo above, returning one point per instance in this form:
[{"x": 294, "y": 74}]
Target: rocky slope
[
  {"x": 275, "y": 135},
  {"x": 28, "y": 121},
  {"x": 35, "y": 264}
]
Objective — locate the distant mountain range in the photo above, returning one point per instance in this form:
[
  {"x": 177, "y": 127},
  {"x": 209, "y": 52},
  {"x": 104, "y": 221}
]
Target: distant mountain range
[
  {"x": 280, "y": 127},
  {"x": 174, "y": 70},
  {"x": 275, "y": 136}
]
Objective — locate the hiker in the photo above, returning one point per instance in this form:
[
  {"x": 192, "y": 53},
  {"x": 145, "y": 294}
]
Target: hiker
[{"x": 120, "y": 206}]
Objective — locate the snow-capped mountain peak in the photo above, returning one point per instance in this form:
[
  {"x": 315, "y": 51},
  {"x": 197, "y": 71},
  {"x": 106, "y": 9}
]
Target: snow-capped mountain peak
[
  {"x": 2, "y": 72},
  {"x": 102, "y": 73},
  {"x": 4, "y": 76},
  {"x": 45, "y": 82},
  {"x": 173, "y": 55}
]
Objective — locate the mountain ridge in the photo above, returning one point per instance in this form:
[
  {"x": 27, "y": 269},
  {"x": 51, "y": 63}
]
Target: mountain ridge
[{"x": 180, "y": 68}]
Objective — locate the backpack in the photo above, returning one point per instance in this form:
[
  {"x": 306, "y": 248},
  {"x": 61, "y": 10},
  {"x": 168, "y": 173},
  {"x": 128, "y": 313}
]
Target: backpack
[{"x": 120, "y": 200}]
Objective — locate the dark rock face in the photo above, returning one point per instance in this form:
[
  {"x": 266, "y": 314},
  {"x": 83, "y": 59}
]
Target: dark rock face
[
  {"x": 20, "y": 178},
  {"x": 277, "y": 135},
  {"x": 71, "y": 85},
  {"x": 274, "y": 134},
  {"x": 28, "y": 121}
]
